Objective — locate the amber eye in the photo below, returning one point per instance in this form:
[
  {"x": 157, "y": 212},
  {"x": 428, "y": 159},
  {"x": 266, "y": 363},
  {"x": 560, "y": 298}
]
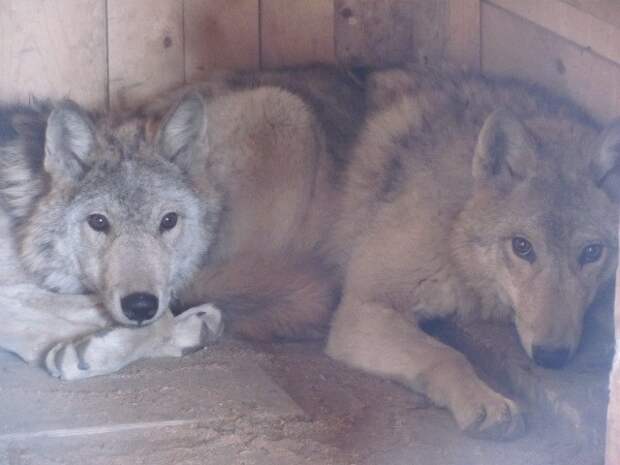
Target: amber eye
[
  {"x": 98, "y": 222},
  {"x": 168, "y": 222},
  {"x": 523, "y": 249},
  {"x": 590, "y": 254}
]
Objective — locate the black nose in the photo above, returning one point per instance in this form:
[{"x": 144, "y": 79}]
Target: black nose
[
  {"x": 550, "y": 357},
  {"x": 139, "y": 306}
]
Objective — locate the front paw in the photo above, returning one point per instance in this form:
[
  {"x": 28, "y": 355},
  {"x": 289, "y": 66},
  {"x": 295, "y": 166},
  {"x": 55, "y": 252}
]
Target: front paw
[
  {"x": 196, "y": 327},
  {"x": 100, "y": 353},
  {"x": 485, "y": 414},
  {"x": 66, "y": 360}
]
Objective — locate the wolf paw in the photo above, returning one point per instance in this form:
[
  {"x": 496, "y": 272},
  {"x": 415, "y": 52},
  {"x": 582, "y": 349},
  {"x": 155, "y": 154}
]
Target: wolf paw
[
  {"x": 110, "y": 349},
  {"x": 489, "y": 415},
  {"x": 99, "y": 353},
  {"x": 80, "y": 359},
  {"x": 196, "y": 327}
]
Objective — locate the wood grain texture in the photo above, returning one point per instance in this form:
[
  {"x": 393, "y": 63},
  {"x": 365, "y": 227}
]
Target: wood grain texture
[
  {"x": 463, "y": 45},
  {"x": 53, "y": 49},
  {"x": 296, "y": 32},
  {"x": 220, "y": 34},
  {"x": 569, "y": 22},
  {"x": 145, "y": 47},
  {"x": 378, "y": 32},
  {"x": 513, "y": 46}
]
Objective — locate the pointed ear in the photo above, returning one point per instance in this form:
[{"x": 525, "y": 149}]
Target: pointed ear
[
  {"x": 183, "y": 131},
  {"x": 606, "y": 164},
  {"x": 505, "y": 152},
  {"x": 69, "y": 142}
]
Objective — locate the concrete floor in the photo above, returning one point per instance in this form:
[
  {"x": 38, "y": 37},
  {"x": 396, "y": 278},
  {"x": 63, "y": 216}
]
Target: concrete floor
[{"x": 234, "y": 404}]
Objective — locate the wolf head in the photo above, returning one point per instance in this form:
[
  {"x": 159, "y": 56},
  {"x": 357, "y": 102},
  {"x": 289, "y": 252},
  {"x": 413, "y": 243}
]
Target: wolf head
[
  {"x": 541, "y": 225},
  {"x": 117, "y": 215}
]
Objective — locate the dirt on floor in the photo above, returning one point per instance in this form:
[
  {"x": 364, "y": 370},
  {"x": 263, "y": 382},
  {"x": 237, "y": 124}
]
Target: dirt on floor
[
  {"x": 375, "y": 422},
  {"x": 281, "y": 403}
]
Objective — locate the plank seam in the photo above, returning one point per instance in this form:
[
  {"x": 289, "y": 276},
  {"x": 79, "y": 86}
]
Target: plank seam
[{"x": 93, "y": 430}]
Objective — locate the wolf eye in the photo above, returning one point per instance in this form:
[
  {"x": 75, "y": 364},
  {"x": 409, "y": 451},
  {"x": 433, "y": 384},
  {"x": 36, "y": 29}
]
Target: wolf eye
[
  {"x": 98, "y": 222},
  {"x": 523, "y": 249},
  {"x": 590, "y": 254},
  {"x": 168, "y": 222}
]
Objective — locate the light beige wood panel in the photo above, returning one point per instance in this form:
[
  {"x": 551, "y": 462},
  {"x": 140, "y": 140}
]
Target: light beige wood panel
[
  {"x": 371, "y": 32},
  {"x": 145, "y": 46},
  {"x": 53, "y": 49},
  {"x": 569, "y": 22},
  {"x": 220, "y": 34},
  {"x": 379, "y": 32},
  {"x": 612, "y": 455},
  {"x": 464, "y": 33},
  {"x": 515, "y": 47},
  {"x": 607, "y": 10},
  {"x": 296, "y": 32}
]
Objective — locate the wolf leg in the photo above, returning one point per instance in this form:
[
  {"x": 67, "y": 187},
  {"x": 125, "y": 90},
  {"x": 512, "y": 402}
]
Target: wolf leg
[
  {"x": 110, "y": 349},
  {"x": 34, "y": 319},
  {"x": 381, "y": 341}
]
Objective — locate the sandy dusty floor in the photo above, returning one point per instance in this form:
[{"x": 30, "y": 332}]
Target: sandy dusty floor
[{"x": 235, "y": 404}]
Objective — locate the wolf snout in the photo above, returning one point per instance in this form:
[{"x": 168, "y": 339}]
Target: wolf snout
[
  {"x": 140, "y": 306},
  {"x": 550, "y": 357}
]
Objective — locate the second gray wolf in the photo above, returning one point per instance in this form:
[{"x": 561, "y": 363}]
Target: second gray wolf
[{"x": 469, "y": 197}]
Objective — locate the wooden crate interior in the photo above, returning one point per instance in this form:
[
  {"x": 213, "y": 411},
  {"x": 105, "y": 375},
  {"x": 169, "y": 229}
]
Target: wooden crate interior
[{"x": 118, "y": 52}]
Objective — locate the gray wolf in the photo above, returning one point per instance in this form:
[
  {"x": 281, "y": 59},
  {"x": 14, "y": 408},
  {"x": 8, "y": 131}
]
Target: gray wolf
[
  {"x": 87, "y": 210},
  {"x": 221, "y": 193},
  {"x": 469, "y": 197}
]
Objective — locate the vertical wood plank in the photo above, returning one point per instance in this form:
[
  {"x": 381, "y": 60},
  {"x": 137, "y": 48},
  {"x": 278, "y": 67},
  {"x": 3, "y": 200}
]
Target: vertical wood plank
[
  {"x": 296, "y": 32},
  {"x": 612, "y": 454},
  {"x": 370, "y": 32},
  {"x": 220, "y": 34},
  {"x": 378, "y": 32},
  {"x": 53, "y": 49},
  {"x": 512, "y": 46},
  {"x": 145, "y": 47},
  {"x": 463, "y": 45}
]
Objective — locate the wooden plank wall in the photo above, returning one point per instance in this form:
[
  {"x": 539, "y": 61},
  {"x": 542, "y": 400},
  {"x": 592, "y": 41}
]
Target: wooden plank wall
[
  {"x": 556, "y": 44},
  {"x": 120, "y": 52},
  {"x": 53, "y": 48}
]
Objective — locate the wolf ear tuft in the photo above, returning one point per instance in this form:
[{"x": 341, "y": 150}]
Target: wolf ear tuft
[
  {"x": 505, "y": 152},
  {"x": 182, "y": 131},
  {"x": 69, "y": 142},
  {"x": 606, "y": 165}
]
